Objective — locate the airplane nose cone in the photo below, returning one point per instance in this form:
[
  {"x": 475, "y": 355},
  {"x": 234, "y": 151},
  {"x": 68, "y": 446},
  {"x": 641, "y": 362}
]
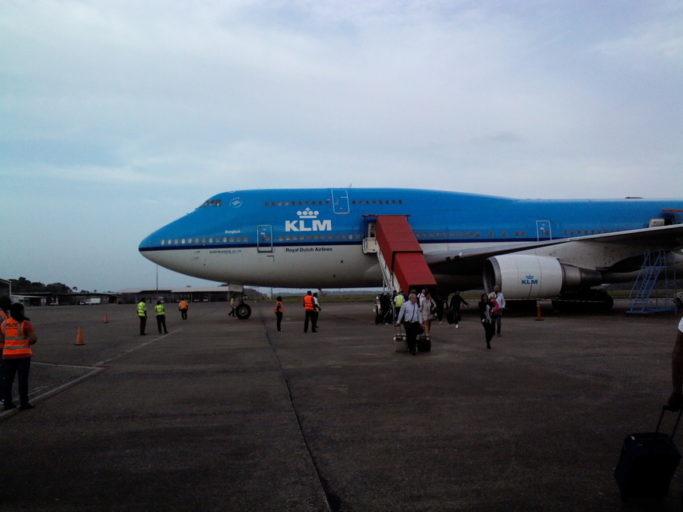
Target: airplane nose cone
[{"x": 149, "y": 247}]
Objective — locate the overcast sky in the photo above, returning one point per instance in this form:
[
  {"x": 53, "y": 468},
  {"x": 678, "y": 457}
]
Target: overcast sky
[{"x": 117, "y": 117}]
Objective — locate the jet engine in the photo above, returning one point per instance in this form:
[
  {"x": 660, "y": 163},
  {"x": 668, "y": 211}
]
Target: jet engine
[{"x": 525, "y": 276}]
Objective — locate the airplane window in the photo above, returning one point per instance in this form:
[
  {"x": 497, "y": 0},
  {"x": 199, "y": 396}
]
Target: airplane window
[
  {"x": 308, "y": 237},
  {"x": 288, "y": 238},
  {"x": 400, "y": 201},
  {"x": 279, "y": 239}
]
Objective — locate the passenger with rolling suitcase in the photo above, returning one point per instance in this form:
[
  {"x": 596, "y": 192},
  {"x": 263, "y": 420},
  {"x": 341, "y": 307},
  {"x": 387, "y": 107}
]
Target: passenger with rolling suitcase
[
  {"x": 412, "y": 321},
  {"x": 647, "y": 462}
]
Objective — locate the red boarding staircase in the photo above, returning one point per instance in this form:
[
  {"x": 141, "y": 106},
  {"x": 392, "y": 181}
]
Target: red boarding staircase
[{"x": 401, "y": 254}]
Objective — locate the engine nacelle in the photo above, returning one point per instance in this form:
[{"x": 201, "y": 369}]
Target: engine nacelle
[{"x": 525, "y": 276}]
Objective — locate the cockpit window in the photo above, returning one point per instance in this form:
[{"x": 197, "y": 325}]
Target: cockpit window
[{"x": 212, "y": 202}]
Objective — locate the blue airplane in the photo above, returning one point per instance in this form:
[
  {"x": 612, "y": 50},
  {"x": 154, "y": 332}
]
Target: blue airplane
[{"x": 326, "y": 238}]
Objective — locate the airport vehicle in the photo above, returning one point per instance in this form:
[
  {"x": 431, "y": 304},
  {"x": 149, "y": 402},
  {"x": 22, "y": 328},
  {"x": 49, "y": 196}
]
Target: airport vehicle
[{"x": 326, "y": 238}]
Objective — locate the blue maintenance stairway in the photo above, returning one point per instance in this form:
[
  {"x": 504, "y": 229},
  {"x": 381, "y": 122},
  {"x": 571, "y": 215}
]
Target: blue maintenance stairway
[{"x": 653, "y": 270}]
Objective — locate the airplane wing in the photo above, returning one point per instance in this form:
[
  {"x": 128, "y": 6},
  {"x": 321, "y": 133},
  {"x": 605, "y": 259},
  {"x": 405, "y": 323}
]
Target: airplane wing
[{"x": 663, "y": 237}]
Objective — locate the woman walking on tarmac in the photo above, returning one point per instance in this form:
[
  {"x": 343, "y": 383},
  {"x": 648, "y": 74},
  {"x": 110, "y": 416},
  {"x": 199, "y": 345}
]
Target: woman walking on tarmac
[
  {"x": 18, "y": 335},
  {"x": 485, "y": 307},
  {"x": 279, "y": 309},
  {"x": 427, "y": 310}
]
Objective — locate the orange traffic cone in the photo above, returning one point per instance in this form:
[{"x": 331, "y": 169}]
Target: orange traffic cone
[
  {"x": 539, "y": 317},
  {"x": 106, "y": 319},
  {"x": 79, "y": 337}
]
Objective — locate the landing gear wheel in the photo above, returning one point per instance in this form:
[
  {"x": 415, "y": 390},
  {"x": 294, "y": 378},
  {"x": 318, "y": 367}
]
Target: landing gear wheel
[{"x": 243, "y": 311}]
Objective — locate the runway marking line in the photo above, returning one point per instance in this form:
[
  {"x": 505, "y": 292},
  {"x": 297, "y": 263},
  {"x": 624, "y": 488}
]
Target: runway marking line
[{"x": 95, "y": 369}]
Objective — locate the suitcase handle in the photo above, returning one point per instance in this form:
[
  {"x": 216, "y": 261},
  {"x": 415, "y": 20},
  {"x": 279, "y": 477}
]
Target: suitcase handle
[{"x": 678, "y": 419}]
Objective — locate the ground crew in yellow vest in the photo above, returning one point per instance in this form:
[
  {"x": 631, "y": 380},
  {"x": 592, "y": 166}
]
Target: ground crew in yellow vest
[
  {"x": 161, "y": 316},
  {"x": 399, "y": 299},
  {"x": 142, "y": 315}
]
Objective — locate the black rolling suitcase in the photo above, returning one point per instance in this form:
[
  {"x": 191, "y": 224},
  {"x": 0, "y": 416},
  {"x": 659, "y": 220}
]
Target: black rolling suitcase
[
  {"x": 648, "y": 462},
  {"x": 424, "y": 343}
]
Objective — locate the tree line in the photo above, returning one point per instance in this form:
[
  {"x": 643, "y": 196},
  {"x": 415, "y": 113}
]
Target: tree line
[{"x": 23, "y": 285}]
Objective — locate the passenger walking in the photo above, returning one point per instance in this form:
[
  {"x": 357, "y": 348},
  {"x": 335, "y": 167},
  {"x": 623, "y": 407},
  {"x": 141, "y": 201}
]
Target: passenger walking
[
  {"x": 161, "y": 316},
  {"x": 454, "y": 310},
  {"x": 232, "y": 305},
  {"x": 309, "y": 311},
  {"x": 386, "y": 309},
  {"x": 279, "y": 310},
  {"x": 485, "y": 307},
  {"x": 318, "y": 309},
  {"x": 498, "y": 316},
  {"x": 142, "y": 315},
  {"x": 676, "y": 398},
  {"x": 427, "y": 310},
  {"x": 18, "y": 335},
  {"x": 183, "y": 306},
  {"x": 411, "y": 317}
]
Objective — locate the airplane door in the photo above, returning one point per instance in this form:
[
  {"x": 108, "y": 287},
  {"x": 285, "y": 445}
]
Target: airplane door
[
  {"x": 543, "y": 230},
  {"x": 264, "y": 238},
  {"x": 340, "y": 201}
]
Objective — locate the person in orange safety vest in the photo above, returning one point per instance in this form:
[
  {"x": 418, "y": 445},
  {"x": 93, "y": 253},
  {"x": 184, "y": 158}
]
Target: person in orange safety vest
[
  {"x": 18, "y": 335},
  {"x": 183, "y": 307},
  {"x": 309, "y": 310}
]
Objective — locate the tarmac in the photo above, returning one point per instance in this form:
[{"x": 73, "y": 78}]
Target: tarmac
[{"x": 222, "y": 414}]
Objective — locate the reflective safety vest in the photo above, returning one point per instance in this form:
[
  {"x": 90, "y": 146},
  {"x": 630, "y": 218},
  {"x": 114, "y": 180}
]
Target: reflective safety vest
[
  {"x": 17, "y": 344},
  {"x": 309, "y": 303},
  {"x": 399, "y": 300},
  {"x": 142, "y": 309},
  {"x": 183, "y": 304},
  {"x": 281, "y": 306},
  {"x": 160, "y": 309}
]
